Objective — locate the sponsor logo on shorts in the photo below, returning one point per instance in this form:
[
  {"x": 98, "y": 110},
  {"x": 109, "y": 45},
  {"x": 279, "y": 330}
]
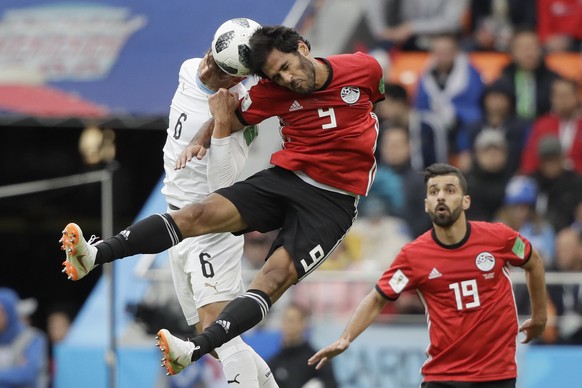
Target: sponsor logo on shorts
[
  {"x": 233, "y": 380},
  {"x": 212, "y": 286}
]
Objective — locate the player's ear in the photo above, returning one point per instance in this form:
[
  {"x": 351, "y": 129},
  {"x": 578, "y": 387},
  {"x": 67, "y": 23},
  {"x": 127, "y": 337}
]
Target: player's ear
[
  {"x": 425, "y": 206},
  {"x": 466, "y": 202},
  {"x": 303, "y": 48}
]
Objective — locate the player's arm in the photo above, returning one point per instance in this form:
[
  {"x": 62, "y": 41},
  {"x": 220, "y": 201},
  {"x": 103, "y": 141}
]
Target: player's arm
[
  {"x": 227, "y": 158},
  {"x": 228, "y": 122},
  {"x": 223, "y": 105},
  {"x": 365, "y": 313},
  {"x": 197, "y": 146},
  {"x": 536, "y": 286}
]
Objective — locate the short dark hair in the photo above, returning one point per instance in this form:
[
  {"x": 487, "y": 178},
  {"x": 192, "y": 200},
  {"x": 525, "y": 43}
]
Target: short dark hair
[
  {"x": 438, "y": 169},
  {"x": 267, "y": 38},
  {"x": 396, "y": 92}
]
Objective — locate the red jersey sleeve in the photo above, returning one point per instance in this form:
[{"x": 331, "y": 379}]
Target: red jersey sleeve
[
  {"x": 396, "y": 279},
  {"x": 375, "y": 77},
  {"x": 517, "y": 248},
  {"x": 252, "y": 107}
]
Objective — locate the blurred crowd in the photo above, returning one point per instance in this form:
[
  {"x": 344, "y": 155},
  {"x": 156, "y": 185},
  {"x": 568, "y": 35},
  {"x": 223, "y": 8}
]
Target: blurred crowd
[
  {"x": 517, "y": 138},
  {"x": 26, "y": 352}
]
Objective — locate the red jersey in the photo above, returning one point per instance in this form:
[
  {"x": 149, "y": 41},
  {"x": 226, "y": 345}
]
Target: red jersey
[
  {"x": 329, "y": 134},
  {"x": 468, "y": 299}
]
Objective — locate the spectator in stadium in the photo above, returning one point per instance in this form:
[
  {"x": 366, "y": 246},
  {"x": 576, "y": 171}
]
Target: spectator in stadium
[
  {"x": 256, "y": 249},
  {"x": 564, "y": 121},
  {"x": 577, "y": 224},
  {"x": 527, "y": 76},
  {"x": 559, "y": 24},
  {"x": 488, "y": 176},
  {"x": 58, "y": 322},
  {"x": 378, "y": 235},
  {"x": 311, "y": 193},
  {"x": 560, "y": 189},
  {"x": 24, "y": 353},
  {"x": 498, "y": 104},
  {"x": 395, "y": 160},
  {"x": 491, "y": 26},
  {"x": 565, "y": 300},
  {"x": 458, "y": 269},
  {"x": 451, "y": 87},
  {"x": 519, "y": 213},
  {"x": 410, "y": 24},
  {"x": 427, "y": 136},
  {"x": 288, "y": 365}
]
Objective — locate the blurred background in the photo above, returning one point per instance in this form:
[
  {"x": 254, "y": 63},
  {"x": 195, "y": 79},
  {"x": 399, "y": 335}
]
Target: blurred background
[{"x": 491, "y": 86}]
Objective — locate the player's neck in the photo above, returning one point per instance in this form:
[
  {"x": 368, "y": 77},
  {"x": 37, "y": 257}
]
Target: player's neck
[
  {"x": 321, "y": 73},
  {"x": 453, "y": 234}
]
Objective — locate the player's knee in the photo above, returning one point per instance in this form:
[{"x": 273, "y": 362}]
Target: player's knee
[{"x": 188, "y": 219}]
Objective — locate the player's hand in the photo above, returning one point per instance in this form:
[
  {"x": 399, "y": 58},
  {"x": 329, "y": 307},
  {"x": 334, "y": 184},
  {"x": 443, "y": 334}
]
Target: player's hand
[
  {"x": 532, "y": 328},
  {"x": 222, "y": 104},
  {"x": 326, "y": 354},
  {"x": 192, "y": 151},
  {"x": 197, "y": 146}
]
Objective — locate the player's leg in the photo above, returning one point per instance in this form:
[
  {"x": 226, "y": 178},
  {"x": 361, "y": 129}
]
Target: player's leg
[
  {"x": 153, "y": 234},
  {"x": 315, "y": 221},
  {"x": 235, "y": 356},
  {"x": 266, "y": 377},
  {"x": 206, "y": 273},
  {"x": 240, "y": 362},
  {"x": 246, "y": 311},
  {"x": 175, "y": 350}
]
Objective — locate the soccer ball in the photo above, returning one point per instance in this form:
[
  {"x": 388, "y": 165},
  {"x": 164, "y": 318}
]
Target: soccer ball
[{"x": 230, "y": 46}]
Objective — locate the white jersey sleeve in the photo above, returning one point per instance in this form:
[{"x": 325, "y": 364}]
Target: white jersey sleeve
[{"x": 227, "y": 157}]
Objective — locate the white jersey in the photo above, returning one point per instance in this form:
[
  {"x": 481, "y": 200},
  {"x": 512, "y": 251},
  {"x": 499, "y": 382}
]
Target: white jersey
[
  {"x": 205, "y": 269},
  {"x": 225, "y": 158}
]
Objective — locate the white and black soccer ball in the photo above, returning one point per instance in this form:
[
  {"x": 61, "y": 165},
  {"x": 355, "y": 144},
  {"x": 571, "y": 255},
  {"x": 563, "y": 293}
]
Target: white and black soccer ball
[{"x": 230, "y": 46}]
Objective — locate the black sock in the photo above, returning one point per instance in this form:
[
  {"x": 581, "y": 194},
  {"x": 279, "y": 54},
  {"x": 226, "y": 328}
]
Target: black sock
[
  {"x": 238, "y": 316},
  {"x": 153, "y": 234}
]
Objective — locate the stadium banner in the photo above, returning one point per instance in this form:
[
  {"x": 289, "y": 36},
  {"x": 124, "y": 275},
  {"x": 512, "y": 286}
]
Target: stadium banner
[
  {"x": 106, "y": 58},
  {"x": 391, "y": 355},
  {"x": 388, "y": 356}
]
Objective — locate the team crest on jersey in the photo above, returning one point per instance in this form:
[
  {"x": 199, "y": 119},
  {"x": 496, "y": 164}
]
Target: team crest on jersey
[
  {"x": 485, "y": 261},
  {"x": 350, "y": 94}
]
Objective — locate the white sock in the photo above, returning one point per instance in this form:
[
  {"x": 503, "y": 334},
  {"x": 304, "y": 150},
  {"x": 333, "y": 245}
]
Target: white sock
[
  {"x": 238, "y": 363},
  {"x": 266, "y": 378}
]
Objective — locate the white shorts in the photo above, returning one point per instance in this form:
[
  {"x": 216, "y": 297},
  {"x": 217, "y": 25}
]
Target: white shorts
[{"x": 206, "y": 269}]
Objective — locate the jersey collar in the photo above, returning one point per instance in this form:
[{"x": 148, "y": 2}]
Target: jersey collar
[
  {"x": 203, "y": 87},
  {"x": 453, "y": 246},
  {"x": 329, "y": 76}
]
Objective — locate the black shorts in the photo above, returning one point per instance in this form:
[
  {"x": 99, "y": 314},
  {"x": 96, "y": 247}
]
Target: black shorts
[
  {"x": 313, "y": 221},
  {"x": 509, "y": 383}
]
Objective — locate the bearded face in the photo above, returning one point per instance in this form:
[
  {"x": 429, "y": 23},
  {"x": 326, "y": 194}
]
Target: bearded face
[
  {"x": 443, "y": 216},
  {"x": 445, "y": 200}
]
